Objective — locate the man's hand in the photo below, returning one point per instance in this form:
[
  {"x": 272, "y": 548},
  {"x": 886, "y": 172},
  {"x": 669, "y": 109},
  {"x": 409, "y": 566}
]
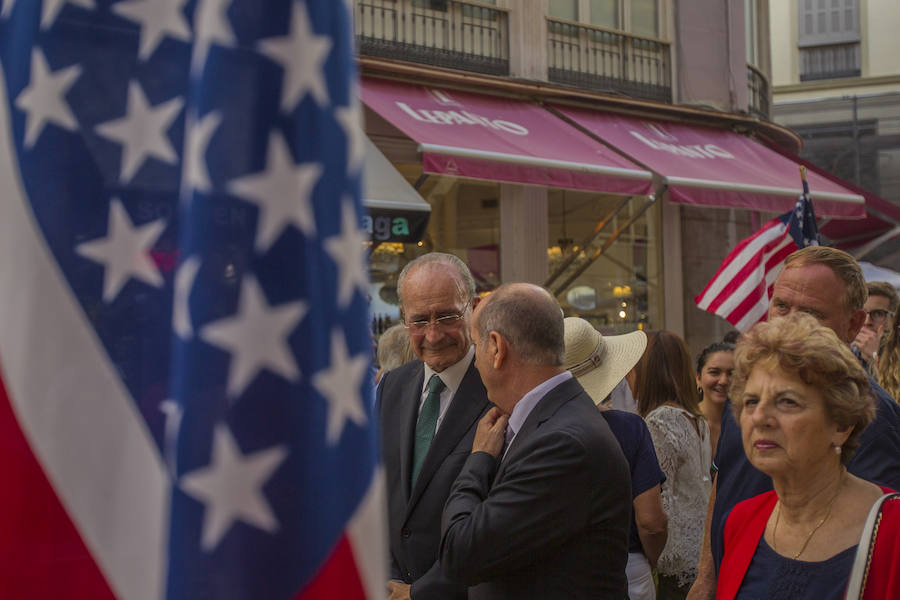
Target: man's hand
[
  {"x": 867, "y": 342},
  {"x": 398, "y": 590},
  {"x": 490, "y": 434}
]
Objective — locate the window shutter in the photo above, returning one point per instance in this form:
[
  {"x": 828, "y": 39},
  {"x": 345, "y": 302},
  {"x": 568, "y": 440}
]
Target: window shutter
[{"x": 825, "y": 22}]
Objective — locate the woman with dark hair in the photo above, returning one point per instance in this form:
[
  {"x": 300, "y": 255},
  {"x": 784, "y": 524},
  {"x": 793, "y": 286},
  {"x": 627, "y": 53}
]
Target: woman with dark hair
[
  {"x": 667, "y": 399},
  {"x": 714, "y": 367}
]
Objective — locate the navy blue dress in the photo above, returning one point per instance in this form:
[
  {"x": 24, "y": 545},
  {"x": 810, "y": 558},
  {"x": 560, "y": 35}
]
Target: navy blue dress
[
  {"x": 637, "y": 445},
  {"x": 775, "y": 577}
]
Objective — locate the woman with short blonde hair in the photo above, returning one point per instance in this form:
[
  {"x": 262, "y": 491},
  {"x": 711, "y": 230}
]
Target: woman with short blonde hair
[{"x": 802, "y": 400}]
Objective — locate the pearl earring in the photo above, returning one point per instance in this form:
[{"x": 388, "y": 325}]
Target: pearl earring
[{"x": 837, "y": 450}]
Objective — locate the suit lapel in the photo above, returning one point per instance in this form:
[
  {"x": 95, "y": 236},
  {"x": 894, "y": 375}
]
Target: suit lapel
[
  {"x": 465, "y": 408},
  {"x": 542, "y": 411},
  {"x": 411, "y": 397}
]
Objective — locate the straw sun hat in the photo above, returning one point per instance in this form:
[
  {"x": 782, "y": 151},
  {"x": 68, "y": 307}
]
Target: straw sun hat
[{"x": 600, "y": 362}]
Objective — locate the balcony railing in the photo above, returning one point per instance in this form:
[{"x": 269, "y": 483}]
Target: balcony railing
[
  {"x": 829, "y": 62},
  {"x": 758, "y": 93},
  {"x": 445, "y": 33},
  {"x": 608, "y": 61}
]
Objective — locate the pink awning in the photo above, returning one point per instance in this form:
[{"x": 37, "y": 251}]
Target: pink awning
[
  {"x": 484, "y": 137},
  {"x": 715, "y": 167}
]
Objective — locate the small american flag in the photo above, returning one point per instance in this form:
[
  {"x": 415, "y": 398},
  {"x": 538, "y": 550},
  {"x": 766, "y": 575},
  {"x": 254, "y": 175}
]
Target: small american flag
[
  {"x": 742, "y": 287},
  {"x": 184, "y": 349}
]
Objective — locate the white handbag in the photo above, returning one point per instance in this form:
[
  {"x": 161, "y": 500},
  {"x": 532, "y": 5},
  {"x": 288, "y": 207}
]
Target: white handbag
[{"x": 860, "y": 571}]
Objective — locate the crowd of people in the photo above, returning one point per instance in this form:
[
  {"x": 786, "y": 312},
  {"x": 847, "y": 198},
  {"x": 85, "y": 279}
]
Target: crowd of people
[{"x": 529, "y": 456}]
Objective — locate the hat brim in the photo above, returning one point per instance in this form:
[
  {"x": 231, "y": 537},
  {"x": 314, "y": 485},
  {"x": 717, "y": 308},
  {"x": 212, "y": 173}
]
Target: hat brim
[{"x": 622, "y": 353}]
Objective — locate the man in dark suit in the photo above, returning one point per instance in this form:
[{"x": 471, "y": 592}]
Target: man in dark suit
[
  {"x": 542, "y": 507},
  {"x": 429, "y": 411}
]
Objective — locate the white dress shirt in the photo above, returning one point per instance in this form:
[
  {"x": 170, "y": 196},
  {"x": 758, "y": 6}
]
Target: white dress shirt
[
  {"x": 527, "y": 403},
  {"x": 452, "y": 376}
]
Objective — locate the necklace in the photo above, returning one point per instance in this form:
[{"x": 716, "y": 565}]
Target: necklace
[{"x": 814, "y": 529}]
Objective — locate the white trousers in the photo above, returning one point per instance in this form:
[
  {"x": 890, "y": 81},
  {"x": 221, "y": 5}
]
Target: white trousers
[{"x": 640, "y": 579}]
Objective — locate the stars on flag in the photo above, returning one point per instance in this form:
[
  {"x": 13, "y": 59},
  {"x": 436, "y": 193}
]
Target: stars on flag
[
  {"x": 50, "y": 10},
  {"x": 346, "y": 249},
  {"x": 350, "y": 118},
  {"x": 157, "y": 19},
  {"x": 184, "y": 283},
  {"x": 43, "y": 100},
  {"x": 142, "y": 131},
  {"x": 302, "y": 55},
  {"x": 124, "y": 252},
  {"x": 211, "y": 26},
  {"x": 256, "y": 337},
  {"x": 282, "y": 192},
  {"x": 195, "y": 172},
  {"x": 340, "y": 384},
  {"x": 230, "y": 487},
  {"x": 173, "y": 412}
]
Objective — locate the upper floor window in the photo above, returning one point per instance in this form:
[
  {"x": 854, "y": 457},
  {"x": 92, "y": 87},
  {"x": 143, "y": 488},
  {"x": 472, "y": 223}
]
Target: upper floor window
[
  {"x": 828, "y": 39},
  {"x": 640, "y": 17},
  {"x": 564, "y": 9},
  {"x": 644, "y": 17}
]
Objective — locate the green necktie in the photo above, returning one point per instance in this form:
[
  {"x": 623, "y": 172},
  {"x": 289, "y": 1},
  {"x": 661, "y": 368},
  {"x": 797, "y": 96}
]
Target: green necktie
[{"x": 426, "y": 424}]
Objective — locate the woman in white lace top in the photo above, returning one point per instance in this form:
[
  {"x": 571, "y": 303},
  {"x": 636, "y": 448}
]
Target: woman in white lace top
[{"x": 667, "y": 399}]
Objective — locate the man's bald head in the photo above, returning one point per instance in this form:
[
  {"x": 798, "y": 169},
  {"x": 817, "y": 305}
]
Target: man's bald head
[{"x": 529, "y": 318}]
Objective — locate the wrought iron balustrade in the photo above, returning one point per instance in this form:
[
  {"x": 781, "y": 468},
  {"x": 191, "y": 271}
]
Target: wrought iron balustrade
[
  {"x": 758, "y": 93},
  {"x": 608, "y": 61},
  {"x": 445, "y": 33},
  {"x": 829, "y": 62}
]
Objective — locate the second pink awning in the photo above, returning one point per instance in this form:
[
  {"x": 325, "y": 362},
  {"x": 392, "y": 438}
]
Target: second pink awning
[
  {"x": 715, "y": 167},
  {"x": 485, "y": 137}
]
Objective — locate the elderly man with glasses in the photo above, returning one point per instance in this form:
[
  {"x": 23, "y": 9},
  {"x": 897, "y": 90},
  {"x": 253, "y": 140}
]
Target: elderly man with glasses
[
  {"x": 429, "y": 412},
  {"x": 880, "y": 307}
]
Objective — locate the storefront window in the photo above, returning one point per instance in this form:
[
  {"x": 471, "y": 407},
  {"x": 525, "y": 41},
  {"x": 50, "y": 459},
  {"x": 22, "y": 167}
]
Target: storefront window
[
  {"x": 465, "y": 221},
  {"x": 621, "y": 289}
]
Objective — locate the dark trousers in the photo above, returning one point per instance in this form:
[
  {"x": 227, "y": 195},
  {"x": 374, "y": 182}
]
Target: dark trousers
[{"x": 668, "y": 589}]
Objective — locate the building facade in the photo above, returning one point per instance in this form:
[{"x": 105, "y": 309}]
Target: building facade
[
  {"x": 837, "y": 84},
  {"x": 635, "y": 79}
]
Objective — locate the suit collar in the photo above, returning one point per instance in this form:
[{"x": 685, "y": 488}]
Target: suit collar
[
  {"x": 545, "y": 408},
  {"x": 411, "y": 395},
  {"x": 527, "y": 403}
]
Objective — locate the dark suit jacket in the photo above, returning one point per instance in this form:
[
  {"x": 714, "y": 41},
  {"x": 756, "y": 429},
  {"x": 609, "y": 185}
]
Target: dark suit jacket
[
  {"x": 552, "y": 520},
  {"x": 414, "y": 515}
]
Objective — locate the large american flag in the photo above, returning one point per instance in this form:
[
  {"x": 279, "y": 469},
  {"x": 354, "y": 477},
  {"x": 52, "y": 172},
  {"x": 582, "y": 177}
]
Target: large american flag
[
  {"x": 740, "y": 290},
  {"x": 184, "y": 352}
]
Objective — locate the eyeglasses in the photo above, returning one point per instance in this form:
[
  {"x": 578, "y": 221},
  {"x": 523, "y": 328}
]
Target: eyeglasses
[
  {"x": 879, "y": 315},
  {"x": 445, "y": 323}
]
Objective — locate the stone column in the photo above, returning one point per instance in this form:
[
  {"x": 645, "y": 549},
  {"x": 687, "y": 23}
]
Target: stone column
[
  {"x": 527, "y": 39},
  {"x": 673, "y": 279},
  {"x": 523, "y": 233},
  {"x": 523, "y": 209}
]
